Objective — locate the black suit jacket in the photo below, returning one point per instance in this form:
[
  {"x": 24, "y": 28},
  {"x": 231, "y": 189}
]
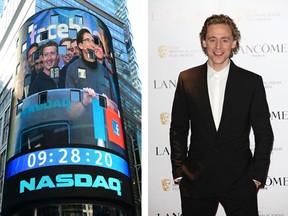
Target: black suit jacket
[{"x": 220, "y": 159}]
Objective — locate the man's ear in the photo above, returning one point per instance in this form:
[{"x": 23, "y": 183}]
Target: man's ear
[
  {"x": 80, "y": 46},
  {"x": 204, "y": 43},
  {"x": 234, "y": 44}
]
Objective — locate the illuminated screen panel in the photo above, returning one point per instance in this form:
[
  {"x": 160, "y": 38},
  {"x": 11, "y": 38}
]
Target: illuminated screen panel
[
  {"x": 66, "y": 143},
  {"x": 68, "y": 157},
  {"x": 77, "y": 183}
]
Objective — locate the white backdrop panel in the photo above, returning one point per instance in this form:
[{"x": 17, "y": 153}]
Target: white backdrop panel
[{"x": 174, "y": 46}]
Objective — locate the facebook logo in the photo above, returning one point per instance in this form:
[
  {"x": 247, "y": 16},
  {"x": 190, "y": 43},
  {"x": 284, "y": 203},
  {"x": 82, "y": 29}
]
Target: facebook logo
[{"x": 115, "y": 127}]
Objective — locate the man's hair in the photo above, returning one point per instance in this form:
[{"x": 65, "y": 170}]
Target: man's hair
[
  {"x": 221, "y": 19},
  {"x": 40, "y": 49},
  {"x": 64, "y": 40},
  {"x": 80, "y": 34},
  {"x": 79, "y": 38},
  {"x": 73, "y": 39},
  {"x": 30, "y": 47},
  {"x": 50, "y": 43},
  {"x": 96, "y": 38}
]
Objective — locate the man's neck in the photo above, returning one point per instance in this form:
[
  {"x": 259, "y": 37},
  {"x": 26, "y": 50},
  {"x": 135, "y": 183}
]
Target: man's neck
[
  {"x": 91, "y": 64},
  {"x": 218, "y": 67}
]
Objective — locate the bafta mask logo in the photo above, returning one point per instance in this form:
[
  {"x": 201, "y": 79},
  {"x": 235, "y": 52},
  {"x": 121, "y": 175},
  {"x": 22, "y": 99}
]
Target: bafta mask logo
[
  {"x": 166, "y": 184},
  {"x": 164, "y": 118},
  {"x": 162, "y": 51}
]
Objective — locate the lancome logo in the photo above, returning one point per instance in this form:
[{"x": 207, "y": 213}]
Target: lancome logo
[
  {"x": 164, "y": 84},
  {"x": 162, "y": 151},
  {"x": 276, "y": 181},
  {"x": 261, "y": 50},
  {"x": 279, "y": 115}
]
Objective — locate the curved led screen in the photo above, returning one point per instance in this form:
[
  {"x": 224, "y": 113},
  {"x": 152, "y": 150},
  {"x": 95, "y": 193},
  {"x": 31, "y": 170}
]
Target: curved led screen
[{"x": 66, "y": 140}]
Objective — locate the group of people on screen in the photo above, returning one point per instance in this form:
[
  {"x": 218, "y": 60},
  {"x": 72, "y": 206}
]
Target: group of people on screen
[{"x": 83, "y": 65}]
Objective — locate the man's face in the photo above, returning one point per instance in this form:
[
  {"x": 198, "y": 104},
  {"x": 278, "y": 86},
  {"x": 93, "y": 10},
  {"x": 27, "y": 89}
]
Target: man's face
[
  {"x": 87, "y": 43},
  {"x": 38, "y": 64},
  {"x": 99, "y": 52},
  {"x": 74, "y": 48},
  {"x": 67, "y": 57},
  {"x": 50, "y": 58},
  {"x": 219, "y": 43},
  {"x": 30, "y": 56}
]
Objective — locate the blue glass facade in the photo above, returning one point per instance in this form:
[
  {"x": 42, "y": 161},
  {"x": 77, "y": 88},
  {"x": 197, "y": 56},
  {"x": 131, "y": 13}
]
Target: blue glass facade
[{"x": 115, "y": 15}]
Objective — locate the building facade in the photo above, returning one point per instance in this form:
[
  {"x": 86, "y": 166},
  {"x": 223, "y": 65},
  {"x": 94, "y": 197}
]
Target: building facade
[{"x": 115, "y": 15}]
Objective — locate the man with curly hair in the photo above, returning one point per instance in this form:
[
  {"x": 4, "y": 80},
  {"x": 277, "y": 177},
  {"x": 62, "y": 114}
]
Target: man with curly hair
[{"x": 218, "y": 103}]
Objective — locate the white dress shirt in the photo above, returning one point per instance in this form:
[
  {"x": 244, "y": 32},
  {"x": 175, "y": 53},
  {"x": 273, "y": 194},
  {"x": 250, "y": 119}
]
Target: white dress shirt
[{"x": 216, "y": 87}]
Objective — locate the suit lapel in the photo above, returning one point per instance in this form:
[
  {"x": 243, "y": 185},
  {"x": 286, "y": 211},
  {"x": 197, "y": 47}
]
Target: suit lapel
[
  {"x": 227, "y": 94},
  {"x": 207, "y": 110}
]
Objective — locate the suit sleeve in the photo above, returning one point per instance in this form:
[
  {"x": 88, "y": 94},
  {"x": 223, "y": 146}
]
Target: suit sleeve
[
  {"x": 263, "y": 134},
  {"x": 179, "y": 129}
]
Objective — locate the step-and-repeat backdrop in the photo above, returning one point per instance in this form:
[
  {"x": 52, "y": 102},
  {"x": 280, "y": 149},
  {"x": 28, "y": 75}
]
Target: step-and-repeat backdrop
[{"x": 174, "y": 46}]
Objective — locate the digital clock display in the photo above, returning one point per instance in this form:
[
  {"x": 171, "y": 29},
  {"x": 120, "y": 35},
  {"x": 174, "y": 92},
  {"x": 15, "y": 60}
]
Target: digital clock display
[{"x": 67, "y": 156}]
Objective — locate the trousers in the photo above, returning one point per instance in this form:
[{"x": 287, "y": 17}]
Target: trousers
[{"x": 240, "y": 201}]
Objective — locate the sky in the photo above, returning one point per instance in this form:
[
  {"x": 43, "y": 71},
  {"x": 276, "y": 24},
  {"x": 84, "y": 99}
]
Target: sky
[{"x": 138, "y": 18}]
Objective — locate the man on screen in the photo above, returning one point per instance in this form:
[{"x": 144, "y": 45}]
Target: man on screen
[
  {"x": 69, "y": 54},
  {"x": 87, "y": 72},
  {"x": 47, "y": 78},
  {"x": 219, "y": 103}
]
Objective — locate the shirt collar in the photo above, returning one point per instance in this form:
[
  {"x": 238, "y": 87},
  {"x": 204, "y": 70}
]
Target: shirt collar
[{"x": 220, "y": 74}]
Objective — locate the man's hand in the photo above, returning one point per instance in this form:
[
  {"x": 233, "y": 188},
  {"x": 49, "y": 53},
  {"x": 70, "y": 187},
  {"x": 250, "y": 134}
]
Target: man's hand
[
  {"x": 257, "y": 183},
  {"x": 88, "y": 94},
  {"x": 177, "y": 180}
]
